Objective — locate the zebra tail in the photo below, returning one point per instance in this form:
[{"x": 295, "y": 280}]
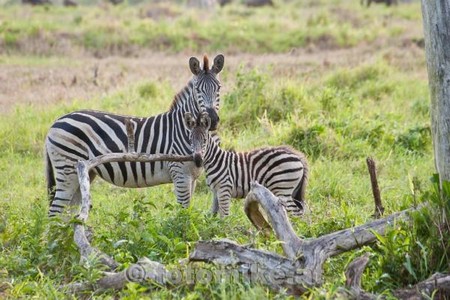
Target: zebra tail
[
  {"x": 299, "y": 192},
  {"x": 50, "y": 177}
]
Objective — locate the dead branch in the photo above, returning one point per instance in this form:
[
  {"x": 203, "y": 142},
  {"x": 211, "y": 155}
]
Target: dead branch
[
  {"x": 379, "y": 209},
  {"x": 130, "y": 133},
  {"x": 276, "y": 212},
  {"x": 83, "y": 168},
  {"x": 150, "y": 270},
  {"x": 354, "y": 272},
  {"x": 437, "y": 283},
  {"x": 305, "y": 256},
  {"x": 301, "y": 268},
  {"x": 144, "y": 271},
  {"x": 258, "y": 266}
]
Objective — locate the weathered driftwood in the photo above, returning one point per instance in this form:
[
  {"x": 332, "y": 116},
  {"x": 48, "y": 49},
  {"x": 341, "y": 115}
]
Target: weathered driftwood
[
  {"x": 353, "y": 275},
  {"x": 83, "y": 168},
  {"x": 144, "y": 271},
  {"x": 354, "y": 272},
  {"x": 258, "y": 266},
  {"x": 379, "y": 209},
  {"x": 438, "y": 285},
  {"x": 303, "y": 265},
  {"x": 299, "y": 270}
]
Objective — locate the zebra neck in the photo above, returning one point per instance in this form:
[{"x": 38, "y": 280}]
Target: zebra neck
[
  {"x": 214, "y": 154},
  {"x": 184, "y": 96}
]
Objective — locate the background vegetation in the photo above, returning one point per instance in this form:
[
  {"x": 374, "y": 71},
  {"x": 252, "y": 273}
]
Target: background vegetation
[{"x": 335, "y": 80}]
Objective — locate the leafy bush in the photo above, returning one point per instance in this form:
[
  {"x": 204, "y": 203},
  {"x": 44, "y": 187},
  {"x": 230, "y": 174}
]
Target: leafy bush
[
  {"x": 414, "y": 250},
  {"x": 415, "y": 140}
]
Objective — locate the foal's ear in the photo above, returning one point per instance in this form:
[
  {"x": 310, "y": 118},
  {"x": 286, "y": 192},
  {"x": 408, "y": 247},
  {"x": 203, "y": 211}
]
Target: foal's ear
[
  {"x": 194, "y": 64},
  {"x": 219, "y": 60},
  {"x": 205, "y": 121},
  {"x": 189, "y": 121}
]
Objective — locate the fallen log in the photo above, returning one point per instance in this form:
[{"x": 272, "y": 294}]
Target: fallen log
[
  {"x": 144, "y": 271},
  {"x": 436, "y": 287},
  {"x": 314, "y": 252},
  {"x": 303, "y": 265},
  {"x": 83, "y": 168},
  {"x": 257, "y": 266},
  {"x": 299, "y": 270}
]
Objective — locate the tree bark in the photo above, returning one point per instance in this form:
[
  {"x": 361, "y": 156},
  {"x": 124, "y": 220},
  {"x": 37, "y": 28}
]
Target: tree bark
[{"x": 436, "y": 24}]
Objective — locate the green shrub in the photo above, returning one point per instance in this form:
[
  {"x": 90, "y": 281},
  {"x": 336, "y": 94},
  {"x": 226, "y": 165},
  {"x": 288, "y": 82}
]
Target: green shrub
[
  {"x": 148, "y": 90},
  {"x": 413, "y": 250},
  {"x": 311, "y": 140},
  {"x": 415, "y": 140}
]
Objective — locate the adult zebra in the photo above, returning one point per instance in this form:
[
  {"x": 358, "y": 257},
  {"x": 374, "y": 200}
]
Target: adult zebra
[
  {"x": 283, "y": 170},
  {"x": 85, "y": 134}
]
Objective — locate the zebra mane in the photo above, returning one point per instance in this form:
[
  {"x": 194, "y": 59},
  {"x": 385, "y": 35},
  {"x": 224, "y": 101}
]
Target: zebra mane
[
  {"x": 205, "y": 64},
  {"x": 180, "y": 97}
]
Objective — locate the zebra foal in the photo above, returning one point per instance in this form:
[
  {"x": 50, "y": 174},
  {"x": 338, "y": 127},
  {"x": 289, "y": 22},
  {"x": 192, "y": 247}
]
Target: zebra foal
[
  {"x": 82, "y": 135},
  {"x": 283, "y": 170}
]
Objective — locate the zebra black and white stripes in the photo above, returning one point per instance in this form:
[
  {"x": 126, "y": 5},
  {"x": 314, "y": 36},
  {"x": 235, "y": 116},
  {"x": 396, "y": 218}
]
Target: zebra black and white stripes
[
  {"x": 283, "y": 170},
  {"x": 86, "y": 134}
]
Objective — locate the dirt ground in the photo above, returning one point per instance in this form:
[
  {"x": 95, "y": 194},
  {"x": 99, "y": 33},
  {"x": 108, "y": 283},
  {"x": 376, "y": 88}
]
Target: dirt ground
[{"x": 82, "y": 78}]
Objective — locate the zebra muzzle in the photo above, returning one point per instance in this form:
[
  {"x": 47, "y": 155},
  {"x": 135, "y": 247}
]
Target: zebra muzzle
[
  {"x": 214, "y": 118},
  {"x": 198, "y": 160}
]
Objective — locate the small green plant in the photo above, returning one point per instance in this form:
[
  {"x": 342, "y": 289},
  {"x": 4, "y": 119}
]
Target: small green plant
[
  {"x": 148, "y": 90},
  {"x": 413, "y": 250},
  {"x": 310, "y": 140},
  {"x": 416, "y": 140}
]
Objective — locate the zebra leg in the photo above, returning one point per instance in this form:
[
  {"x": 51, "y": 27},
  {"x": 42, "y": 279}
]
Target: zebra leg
[
  {"x": 215, "y": 205},
  {"x": 224, "y": 199},
  {"x": 294, "y": 207},
  {"x": 67, "y": 193},
  {"x": 182, "y": 181}
]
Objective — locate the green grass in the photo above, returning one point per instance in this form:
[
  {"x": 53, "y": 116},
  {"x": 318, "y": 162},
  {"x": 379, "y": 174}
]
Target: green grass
[
  {"x": 337, "y": 115},
  {"x": 104, "y": 30},
  {"x": 342, "y": 123}
]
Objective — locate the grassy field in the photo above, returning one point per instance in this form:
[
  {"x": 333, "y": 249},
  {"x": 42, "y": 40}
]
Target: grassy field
[{"x": 335, "y": 80}]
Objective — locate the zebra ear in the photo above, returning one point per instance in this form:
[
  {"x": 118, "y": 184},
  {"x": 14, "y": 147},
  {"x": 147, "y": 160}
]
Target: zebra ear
[
  {"x": 189, "y": 121},
  {"x": 218, "y": 64},
  {"x": 194, "y": 64},
  {"x": 205, "y": 121}
]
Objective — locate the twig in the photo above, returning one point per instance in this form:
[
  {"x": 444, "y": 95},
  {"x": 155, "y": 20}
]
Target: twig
[
  {"x": 379, "y": 209},
  {"x": 130, "y": 133}
]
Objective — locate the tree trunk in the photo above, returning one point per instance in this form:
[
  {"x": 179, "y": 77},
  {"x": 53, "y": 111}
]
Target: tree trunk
[
  {"x": 202, "y": 4},
  {"x": 436, "y": 23}
]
